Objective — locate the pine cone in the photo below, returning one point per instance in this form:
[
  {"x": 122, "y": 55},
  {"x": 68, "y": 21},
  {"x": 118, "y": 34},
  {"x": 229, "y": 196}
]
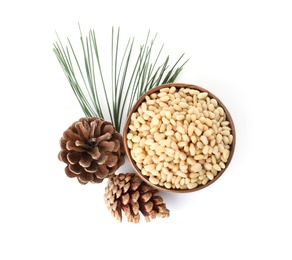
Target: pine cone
[
  {"x": 92, "y": 149},
  {"x": 127, "y": 192}
]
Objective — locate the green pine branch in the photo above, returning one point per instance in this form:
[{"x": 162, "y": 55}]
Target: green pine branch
[{"x": 131, "y": 76}]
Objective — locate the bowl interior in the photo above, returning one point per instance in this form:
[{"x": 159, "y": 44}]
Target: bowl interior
[{"x": 177, "y": 86}]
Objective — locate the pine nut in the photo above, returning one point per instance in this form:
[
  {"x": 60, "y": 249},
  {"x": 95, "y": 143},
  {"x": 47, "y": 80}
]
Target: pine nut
[
  {"x": 169, "y": 133},
  {"x": 204, "y": 139},
  {"x": 180, "y": 129},
  {"x": 198, "y": 131},
  {"x": 205, "y": 180},
  {"x": 226, "y": 154},
  {"x": 167, "y": 185},
  {"x": 192, "y": 185},
  {"x": 202, "y": 95},
  {"x": 155, "y": 121},
  {"x": 206, "y": 149},
  {"x": 149, "y": 167},
  {"x": 197, "y": 167},
  {"x": 154, "y": 180},
  {"x": 216, "y": 167}
]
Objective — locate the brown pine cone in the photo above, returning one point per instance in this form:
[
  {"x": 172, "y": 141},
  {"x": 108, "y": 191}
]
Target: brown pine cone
[
  {"x": 127, "y": 192},
  {"x": 92, "y": 149}
]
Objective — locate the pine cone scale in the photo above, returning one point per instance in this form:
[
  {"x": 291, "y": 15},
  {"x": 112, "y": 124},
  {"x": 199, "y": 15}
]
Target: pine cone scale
[
  {"x": 92, "y": 168},
  {"x": 82, "y": 131},
  {"x": 85, "y": 177},
  {"x": 135, "y": 207},
  {"x": 125, "y": 199},
  {"x": 73, "y": 147},
  {"x": 101, "y": 159},
  {"x": 101, "y": 174},
  {"x": 136, "y": 195},
  {"x": 94, "y": 153},
  {"x": 106, "y": 146},
  {"x": 70, "y": 135},
  {"x": 117, "y": 146},
  {"x": 62, "y": 156},
  {"x": 69, "y": 173},
  {"x": 146, "y": 196},
  {"x": 108, "y": 129},
  {"x": 111, "y": 160},
  {"x": 92, "y": 129},
  {"x": 73, "y": 157},
  {"x": 85, "y": 160},
  {"x": 103, "y": 138},
  {"x": 75, "y": 168}
]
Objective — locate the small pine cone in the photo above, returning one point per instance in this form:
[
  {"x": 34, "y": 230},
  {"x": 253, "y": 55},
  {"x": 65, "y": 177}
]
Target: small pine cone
[
  {"x": 92, "y": 149},
  {"x": 127, "y": 192}
]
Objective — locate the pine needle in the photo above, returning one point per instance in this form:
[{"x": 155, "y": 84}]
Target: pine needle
[{"x": 130, "y": 77}]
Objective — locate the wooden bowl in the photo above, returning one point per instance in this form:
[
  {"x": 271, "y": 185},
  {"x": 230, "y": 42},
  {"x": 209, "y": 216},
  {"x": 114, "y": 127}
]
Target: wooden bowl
[{"x": 175, "y": 189}]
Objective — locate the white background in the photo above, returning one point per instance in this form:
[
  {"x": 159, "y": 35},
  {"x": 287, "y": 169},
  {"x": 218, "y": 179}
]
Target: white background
[{"x": 239, "y": 50}]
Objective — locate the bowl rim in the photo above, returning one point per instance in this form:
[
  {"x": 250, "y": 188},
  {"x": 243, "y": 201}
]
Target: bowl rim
[{"x": 134, "y": 109}]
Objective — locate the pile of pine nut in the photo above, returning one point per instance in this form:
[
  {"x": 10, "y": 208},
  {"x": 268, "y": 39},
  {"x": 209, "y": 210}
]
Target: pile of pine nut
[{"x": 179, "y": 138}]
